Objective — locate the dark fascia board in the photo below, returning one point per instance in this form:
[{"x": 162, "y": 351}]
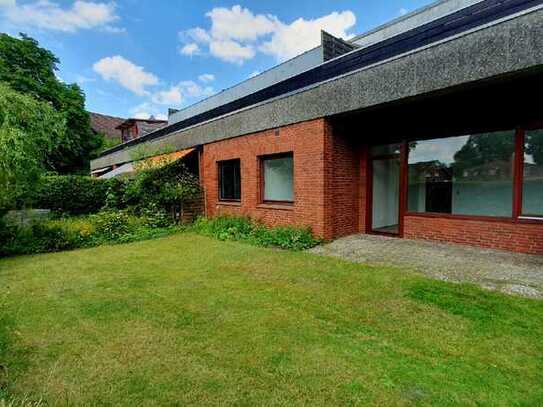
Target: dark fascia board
[{"x": 506, "y": 45}]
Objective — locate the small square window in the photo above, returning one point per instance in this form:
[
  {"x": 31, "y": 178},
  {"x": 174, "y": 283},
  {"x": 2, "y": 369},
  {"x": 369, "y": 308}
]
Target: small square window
[
  {"x": 278, "y": 178},
  {"x": 229, "y": 180}
]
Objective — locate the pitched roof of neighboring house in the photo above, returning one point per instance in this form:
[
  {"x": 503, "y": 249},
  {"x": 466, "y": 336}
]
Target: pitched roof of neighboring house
[
  {"x": 101, "y": 123},
  {"x": 145, "y": 126}
]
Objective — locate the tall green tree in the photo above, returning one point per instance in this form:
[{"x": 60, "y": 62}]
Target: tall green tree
[
  {"x": 30, "y": 69},
  {"x": 29, "y": 131}
]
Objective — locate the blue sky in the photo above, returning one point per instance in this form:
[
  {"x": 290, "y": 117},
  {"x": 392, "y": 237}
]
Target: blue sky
[{"x": 134, "y": 58}]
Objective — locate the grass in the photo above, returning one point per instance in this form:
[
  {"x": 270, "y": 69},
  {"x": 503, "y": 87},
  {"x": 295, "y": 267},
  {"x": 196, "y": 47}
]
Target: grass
[{"x": 191, "y": 320}]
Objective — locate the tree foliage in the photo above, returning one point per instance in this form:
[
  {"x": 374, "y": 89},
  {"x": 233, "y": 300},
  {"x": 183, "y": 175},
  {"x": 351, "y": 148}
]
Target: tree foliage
[
  {"x": 481, "y": 149},
  {"x": 29, "y": 131},
  {"x": 534, "y": 145},
  {"x": 30, "y": 69},
  {"x": 166, "y": 187}
]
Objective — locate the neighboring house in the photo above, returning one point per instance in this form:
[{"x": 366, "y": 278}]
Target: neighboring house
[
  {"x": 341, "y": 137},
  {"x": 134, "y": 128},
  {"x": 107, "y": 125}
]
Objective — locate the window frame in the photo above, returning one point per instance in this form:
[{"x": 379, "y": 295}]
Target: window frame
[
  {"x": 519, "y": 202},
  {"x": 219, "y": 178},
  {"x": 518, "y": 177},
  {"x": 262, "y": 181}
]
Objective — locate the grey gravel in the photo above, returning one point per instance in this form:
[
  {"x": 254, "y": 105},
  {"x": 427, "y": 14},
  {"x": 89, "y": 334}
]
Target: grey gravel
[{"x": 511, "y": 273}]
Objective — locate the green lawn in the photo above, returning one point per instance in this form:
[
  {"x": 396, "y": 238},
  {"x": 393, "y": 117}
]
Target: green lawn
[{"x": 190, "y": 320}]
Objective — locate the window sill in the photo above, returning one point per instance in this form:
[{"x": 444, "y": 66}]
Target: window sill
[
  {"x": 283, "y": 207},
  {"x": 460, "y": 217},
  {"x": 229, "y": 203},
  {"x": 530, "y": 220}
]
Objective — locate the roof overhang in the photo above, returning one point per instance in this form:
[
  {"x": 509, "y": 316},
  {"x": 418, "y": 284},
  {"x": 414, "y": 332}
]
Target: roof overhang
[
  {"x": 504, "y": 47},
  {"x": 155, "y": 161}
]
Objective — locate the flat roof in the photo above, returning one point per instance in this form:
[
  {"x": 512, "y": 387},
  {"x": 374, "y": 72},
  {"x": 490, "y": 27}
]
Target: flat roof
[{"x": 465, "y": 18}]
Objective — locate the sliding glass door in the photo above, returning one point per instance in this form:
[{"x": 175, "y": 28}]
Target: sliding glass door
[{"x": 385, "y": 208}]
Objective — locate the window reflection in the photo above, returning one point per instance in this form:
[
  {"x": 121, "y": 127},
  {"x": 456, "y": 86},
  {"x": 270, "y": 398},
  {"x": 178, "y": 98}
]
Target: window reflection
[
  {"x": 469, "y": 175},
  {"x": 532, "y": 188},
  {"x": 278, "y": 175}
]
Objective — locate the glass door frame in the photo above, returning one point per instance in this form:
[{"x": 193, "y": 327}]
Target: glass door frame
[{"x": 402, "y": 204}]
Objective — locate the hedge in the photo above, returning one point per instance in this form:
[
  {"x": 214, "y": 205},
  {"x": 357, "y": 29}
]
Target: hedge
[{"x": 71, "y": 194}]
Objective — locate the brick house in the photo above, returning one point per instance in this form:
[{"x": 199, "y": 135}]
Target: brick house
[
  {"x": 134, "y": 128},
  {"x": 424, "y": 128},
  {"x": 106, "y": 125}
]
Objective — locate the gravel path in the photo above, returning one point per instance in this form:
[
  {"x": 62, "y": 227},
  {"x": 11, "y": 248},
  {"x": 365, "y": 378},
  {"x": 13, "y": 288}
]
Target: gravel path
[{"x": 512, "y": 273}]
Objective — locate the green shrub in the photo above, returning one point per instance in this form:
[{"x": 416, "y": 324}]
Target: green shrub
[
  {"x": 116, "y": 197},
  {"x": 155, "y": 217},
  {"x": 112, "y": 225},
  {"x": 246, "y": 229},
  {"x": 45, "y": 237},
  {"x": 289, "y": 237},
  {"x": 39, "y": 237},
  {"x": 68, "y": 233},
  {"x": 71, "y": 194},
  {"x": 8, "y": 234},
  {"x": 166, "y": 188},
  {"x": 225, "y": 227}
]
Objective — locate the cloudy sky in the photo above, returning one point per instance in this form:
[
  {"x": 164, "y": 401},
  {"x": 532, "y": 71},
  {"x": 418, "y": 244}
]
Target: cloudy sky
[{"x": 138, "y": 57}]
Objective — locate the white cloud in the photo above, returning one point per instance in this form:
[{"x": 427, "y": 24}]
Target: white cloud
[
  {"x": 206, "y": 77},
  {"x": 127, "y": 74},
  {"x": 190, "y": 49},
  {"x": 141, "y": 115},
  {"x": 182, "y": 91},
  {"x": 146, "y": 110},
  {"x": 239, "y": 23},
  {"x": 301, "y": 35},
  {"x": 231, "y": 51},
  {"x": 191, "y": 89},
  {"x": 47, "y": 15},
  {"x": 81, "y": 79},
  {"x": 146, "y": 116},
  {"x": 237, "y": 34},
  {"x": 197, "y": 34},
  {"x": 403, "y": 11},
  {"x": 171, "y": 96}
]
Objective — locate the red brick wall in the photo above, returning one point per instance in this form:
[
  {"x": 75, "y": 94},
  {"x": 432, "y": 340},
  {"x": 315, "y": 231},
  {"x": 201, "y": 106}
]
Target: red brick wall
[
  {"x": 343, "y": 184},
  {"x": 307, "y": 143},
  {"x": 503, "y": 235},
  {"x": 330, "y": 190}
]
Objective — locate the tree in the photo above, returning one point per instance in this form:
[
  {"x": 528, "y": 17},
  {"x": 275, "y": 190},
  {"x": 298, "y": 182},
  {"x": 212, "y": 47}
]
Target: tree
[
  {"x": 29, "y": 131},
  {"x": 534, "y": 145},
  {"x": 30, "y": 69},
  {"x": 483, "y": 149}
]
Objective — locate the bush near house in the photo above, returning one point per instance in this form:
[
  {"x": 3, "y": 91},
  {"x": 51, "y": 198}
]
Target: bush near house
[
  {"x": 71, "y": 194},
  {"x": 91, "y": 212},
  {"x": 163, "y": 189},
  {"x": 114, "y": 227},
  {"x": 253, "y": 232},
  {"x": 108, "y": 227}
]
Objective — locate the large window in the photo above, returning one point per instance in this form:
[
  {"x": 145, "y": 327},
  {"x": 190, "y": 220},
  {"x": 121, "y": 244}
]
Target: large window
[
  {"x": 229, "y": 180},
  {"x": 277, "y": 173},
  {"x": 466, "y": 175},
  {"x": 532, "y": 188}
]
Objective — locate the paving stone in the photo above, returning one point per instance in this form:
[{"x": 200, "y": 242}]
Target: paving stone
[{"x": 512, "y": 273}]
